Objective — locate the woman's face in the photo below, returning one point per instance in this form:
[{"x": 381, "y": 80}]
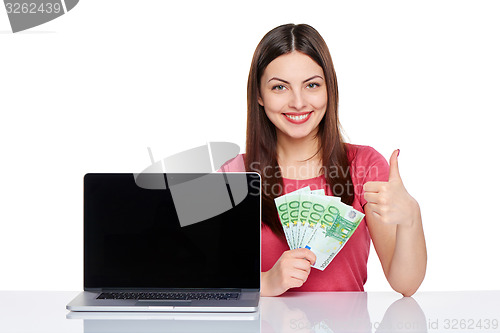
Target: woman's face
[{"x": 293, "y": 94}]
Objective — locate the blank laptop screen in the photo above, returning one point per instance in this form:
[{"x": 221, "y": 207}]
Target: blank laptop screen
[{"x": 151, "y": 231}]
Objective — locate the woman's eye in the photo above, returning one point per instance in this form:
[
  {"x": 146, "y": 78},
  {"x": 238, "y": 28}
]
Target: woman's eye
[
  {"x": 312, "y": 85},
  {"x": 279, "y": 87}
]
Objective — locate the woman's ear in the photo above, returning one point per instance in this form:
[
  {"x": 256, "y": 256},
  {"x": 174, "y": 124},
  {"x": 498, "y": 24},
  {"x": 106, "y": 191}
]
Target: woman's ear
[{"x": 259, "y": 99}]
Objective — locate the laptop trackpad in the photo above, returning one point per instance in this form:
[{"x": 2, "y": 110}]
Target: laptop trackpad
[{"x": 163, "y": 303}]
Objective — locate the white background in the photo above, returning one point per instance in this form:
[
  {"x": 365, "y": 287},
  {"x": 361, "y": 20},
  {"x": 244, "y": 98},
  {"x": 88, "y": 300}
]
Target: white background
[{"x": 91, "y": 90}]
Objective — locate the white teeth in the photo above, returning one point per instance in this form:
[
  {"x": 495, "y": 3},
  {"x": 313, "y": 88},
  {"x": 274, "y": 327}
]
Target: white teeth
[{"x": 297, "y": 117}]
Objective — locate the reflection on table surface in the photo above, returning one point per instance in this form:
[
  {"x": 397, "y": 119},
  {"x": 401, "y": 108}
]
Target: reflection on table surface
[
  {"x": 463, "y": 311},
  {"x": 473, "y": 311},
  {"x": 168, "y": 322},
  {"x": 339, "y": 312}
]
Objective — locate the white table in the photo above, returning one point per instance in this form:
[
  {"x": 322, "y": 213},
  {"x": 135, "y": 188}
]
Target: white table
[{"x": 461, "y": 311}]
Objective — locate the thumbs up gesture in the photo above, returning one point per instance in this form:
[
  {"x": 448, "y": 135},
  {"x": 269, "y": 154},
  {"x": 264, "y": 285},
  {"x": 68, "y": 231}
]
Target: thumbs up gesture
[{"x": 389, "y": 201}]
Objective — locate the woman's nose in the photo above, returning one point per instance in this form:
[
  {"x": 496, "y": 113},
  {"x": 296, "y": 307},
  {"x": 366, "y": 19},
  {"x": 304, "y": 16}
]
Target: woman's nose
[{"x": 297, "y": 100}]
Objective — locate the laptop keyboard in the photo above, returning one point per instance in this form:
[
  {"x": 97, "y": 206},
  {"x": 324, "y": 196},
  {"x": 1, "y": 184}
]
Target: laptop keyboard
[{"x": 170, "y": 295}]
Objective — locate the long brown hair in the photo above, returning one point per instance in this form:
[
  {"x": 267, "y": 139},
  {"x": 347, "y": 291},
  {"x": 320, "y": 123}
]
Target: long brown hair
[{"x": 261, "y": 140}]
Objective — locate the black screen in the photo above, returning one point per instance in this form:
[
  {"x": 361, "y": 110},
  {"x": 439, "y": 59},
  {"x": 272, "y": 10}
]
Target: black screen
[{"x": 172, "y": 231}]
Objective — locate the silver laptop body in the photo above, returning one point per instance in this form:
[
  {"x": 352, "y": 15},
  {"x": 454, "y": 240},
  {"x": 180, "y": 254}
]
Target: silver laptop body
[{"x": 180, "y": 242}]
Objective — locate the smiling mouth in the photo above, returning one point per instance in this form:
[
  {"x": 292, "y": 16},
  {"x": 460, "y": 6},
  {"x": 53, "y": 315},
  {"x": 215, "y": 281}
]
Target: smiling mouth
[{"x": 297, "y": 116}]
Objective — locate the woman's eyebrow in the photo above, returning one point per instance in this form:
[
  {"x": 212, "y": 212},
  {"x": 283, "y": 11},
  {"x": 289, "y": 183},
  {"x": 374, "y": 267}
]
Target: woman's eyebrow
[
  {"x": 276, "y": 78},
  {"x": 309, "y": 79},
  {"x": 313, "y": 77}
]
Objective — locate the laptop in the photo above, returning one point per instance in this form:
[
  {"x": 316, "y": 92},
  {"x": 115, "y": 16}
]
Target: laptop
[{"x": 174, "y": 242}]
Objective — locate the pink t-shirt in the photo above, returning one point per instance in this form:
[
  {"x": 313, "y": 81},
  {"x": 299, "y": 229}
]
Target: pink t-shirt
[{"x": 347, "y": 271}]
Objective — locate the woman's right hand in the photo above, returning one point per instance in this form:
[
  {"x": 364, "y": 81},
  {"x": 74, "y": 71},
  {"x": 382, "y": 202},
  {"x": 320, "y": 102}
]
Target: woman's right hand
[{"x": 290, "y": 271}]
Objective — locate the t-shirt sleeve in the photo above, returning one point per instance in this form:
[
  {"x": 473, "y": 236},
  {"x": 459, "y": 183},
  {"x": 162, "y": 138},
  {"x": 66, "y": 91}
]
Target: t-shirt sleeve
[
  {"x": 370, "y": 166},
  {"x": 236, "y": 164}
]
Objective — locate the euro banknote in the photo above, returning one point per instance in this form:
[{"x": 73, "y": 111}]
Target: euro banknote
[{"x": 313, "y": 220}]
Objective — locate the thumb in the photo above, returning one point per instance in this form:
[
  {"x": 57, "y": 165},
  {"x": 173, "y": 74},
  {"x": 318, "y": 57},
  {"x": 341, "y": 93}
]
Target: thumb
[{"x": 393, "y": 166}]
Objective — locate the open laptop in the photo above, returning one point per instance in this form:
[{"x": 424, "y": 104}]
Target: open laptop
[{"x": 180, "y": 242}]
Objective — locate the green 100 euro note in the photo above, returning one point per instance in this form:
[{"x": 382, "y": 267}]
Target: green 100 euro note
[
  {"x": 333, "y": 230},
  {"x": 289, "y": 215}
]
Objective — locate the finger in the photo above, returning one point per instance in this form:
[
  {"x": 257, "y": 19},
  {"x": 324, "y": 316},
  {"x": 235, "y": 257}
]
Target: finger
[
  {"x": 372, "y": 197},
  {"x": 302, "y": 264},
  {"x": 300, "y": 275},
  {"x": 373, "y": 186},
  {"x": 296, "y": 283},
  {"x": 372, "y": 208},
  {"x": 303, "y": 253},
  {"x": 311, "y": 257},
  {"x": 393, "y": 166}
]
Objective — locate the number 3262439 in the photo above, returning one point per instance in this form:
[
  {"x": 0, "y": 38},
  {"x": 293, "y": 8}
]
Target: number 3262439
[
  {"x": 470, "y": 324},
  {"x": 32, "y": 8}
]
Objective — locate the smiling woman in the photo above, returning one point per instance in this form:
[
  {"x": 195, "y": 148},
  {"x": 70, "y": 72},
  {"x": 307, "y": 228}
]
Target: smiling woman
[{"x": 294, "y": 140}]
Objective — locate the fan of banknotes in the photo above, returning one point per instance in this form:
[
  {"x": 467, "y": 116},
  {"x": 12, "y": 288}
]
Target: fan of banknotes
[{"x": 318, "y": 222}]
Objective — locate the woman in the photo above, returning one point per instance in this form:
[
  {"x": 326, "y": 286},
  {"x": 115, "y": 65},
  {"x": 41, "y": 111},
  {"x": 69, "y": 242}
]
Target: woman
[{"x": 294, "y": 140}]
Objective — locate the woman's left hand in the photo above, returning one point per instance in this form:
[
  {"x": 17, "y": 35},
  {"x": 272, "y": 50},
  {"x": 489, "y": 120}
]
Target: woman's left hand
[{"x": 389, "y": 201}]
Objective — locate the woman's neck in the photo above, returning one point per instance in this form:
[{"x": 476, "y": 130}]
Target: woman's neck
[{"x": 298, "y": 158}]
